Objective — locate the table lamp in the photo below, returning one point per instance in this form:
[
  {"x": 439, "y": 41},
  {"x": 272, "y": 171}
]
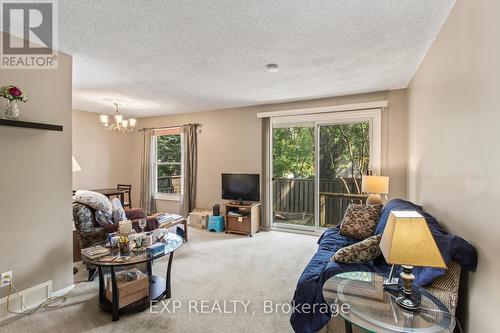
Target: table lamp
[
  {"x": 407, "y": 241},
  {"x": 375, "y": 185}
]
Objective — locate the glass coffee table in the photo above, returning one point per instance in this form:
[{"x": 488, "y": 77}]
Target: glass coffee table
[
  {"x": 159, "y": 287},
  {"x": 374, "y": 309}
]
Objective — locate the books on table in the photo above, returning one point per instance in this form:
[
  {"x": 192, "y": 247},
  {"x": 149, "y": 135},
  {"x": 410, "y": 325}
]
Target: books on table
[
  {"x": 166, "y": 218},
  {"x": 94, "y": 252}
]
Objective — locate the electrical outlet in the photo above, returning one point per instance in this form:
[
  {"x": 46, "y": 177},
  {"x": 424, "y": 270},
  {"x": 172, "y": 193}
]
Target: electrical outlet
[{"x": 5, "y": 279}]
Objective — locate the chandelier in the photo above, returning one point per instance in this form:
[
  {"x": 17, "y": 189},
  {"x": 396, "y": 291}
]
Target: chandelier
[{"x": 117, "y": 123}]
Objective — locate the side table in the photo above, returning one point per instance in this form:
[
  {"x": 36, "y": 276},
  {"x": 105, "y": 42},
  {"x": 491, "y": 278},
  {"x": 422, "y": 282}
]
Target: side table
[{"x": 373, "y": 308}]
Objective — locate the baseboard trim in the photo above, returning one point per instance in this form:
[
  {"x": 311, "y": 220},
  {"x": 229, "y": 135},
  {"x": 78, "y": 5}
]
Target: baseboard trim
[
  {"x": 62, "y": 292},
  {"x": 308, "y": 232}
]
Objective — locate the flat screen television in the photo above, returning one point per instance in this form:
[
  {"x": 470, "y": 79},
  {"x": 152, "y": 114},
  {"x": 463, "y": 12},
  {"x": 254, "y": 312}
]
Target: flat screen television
[{"x": 240, "y": 187}]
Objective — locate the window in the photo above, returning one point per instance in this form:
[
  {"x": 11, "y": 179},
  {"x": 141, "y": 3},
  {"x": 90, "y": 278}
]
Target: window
[{"x": 168, "y": 166}]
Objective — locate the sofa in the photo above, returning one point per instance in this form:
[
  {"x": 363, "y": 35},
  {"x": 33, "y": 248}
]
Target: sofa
[{"x": 457, "y": 253}]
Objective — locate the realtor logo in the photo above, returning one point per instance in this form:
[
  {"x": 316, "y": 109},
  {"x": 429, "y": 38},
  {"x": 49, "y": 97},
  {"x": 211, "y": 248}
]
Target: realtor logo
[{"x": 29, "y": 34}]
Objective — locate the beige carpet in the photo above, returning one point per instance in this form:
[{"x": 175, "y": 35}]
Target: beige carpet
[{"x": 210, "y": 267}]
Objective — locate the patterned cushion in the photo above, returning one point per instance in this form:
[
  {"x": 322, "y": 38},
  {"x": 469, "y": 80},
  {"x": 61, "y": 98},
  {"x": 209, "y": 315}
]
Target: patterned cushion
[
  {"x": 360, "y": 221},
  {"x": 359, "y": 253},
  {"x": 94, "y": 200},
  {"x": 83, "y": 217},
  {"x": 103, "y": 218},
  {"x": 118, "y": 211}
]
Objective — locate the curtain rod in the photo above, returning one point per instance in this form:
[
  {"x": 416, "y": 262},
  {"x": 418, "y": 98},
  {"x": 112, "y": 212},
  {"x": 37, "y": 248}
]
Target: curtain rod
[{"x": 168, "y": 127}]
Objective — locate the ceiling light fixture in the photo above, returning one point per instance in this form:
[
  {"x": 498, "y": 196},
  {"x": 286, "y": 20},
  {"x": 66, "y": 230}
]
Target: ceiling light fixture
[
  {"x": 119, "y": 124},
  {"x": 272, "y": 68}
]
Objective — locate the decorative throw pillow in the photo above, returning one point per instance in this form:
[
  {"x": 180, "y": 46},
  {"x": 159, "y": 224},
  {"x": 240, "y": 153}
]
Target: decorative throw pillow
[
  {"x": 360, "y": 221},
  {"x": 94, "y": 200},
  {"x": 103, "y": 218},
  {"x": 118, "y": 211},
  {"x": 359, "y": 253}
]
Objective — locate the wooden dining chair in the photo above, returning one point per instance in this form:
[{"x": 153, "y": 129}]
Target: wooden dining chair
[{"x": 127, "y": 200}]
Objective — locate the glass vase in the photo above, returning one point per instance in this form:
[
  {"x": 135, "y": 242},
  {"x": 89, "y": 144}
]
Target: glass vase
[{"x": 11, "y": 111}]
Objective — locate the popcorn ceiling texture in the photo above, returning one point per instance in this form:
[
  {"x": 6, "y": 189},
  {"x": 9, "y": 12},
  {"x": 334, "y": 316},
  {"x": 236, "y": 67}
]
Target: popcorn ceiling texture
[{"x": 184, "y": 56}]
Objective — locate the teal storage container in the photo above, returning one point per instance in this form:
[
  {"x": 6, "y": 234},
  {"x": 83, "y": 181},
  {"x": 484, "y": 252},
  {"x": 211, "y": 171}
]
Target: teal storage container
[{"x": 216, "y": 223}]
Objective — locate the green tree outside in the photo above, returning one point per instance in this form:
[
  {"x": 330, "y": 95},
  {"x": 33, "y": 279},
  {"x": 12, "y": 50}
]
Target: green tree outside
[{"x": 344, "y": 151}]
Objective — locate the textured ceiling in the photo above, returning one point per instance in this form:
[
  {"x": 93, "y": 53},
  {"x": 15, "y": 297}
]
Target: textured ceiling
[{"x": 181, "y": 56}]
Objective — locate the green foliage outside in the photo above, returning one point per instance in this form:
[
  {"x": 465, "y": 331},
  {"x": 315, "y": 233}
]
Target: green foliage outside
[
  {"x": 169, "y": 148},
  {"x": 169, "y": 163},
  {"x": 344, "y": 151},
  {"x": 293, "y": 152}
]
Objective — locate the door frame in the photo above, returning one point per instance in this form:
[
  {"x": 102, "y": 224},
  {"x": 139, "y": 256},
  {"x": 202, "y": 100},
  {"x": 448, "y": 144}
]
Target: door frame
[{"x": 372, "y": 116}]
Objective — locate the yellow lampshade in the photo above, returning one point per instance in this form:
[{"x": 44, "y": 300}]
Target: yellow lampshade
[
  {"x": 375, "y": 184},
  {"x": 407, "y": 240}
]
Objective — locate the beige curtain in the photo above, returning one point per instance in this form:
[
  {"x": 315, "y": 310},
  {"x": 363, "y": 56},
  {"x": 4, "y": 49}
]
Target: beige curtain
[
  {"x": 266, "y": 177},
  {"x": 189, "y": 168},
  {"x": 148, "y": 202}
]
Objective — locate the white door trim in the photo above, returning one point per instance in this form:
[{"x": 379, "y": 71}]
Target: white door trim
[
  {"x": 325, "y": 109},
  {"x": 373, "y": 116}
]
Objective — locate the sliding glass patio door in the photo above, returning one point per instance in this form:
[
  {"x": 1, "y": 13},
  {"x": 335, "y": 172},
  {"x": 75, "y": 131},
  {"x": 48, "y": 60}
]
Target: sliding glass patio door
[
  {"x": 344, "y": 156},
  {"x": 317, "y": 162},
  {"x": 293, "y": 167}
]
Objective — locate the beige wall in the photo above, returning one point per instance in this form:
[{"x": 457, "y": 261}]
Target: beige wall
[
  {"x": 230, "y": 141},
  {"x": 454, "y": 143},
  {"x": 35, "y": 186},
  {"x": 105, "y": 157}
]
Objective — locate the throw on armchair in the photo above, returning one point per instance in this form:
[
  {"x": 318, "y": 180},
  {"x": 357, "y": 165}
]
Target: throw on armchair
[{"x": 90, "y": 232}]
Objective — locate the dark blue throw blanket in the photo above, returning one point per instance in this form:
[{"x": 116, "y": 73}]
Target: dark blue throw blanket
[{"x": 319, "y": 269}]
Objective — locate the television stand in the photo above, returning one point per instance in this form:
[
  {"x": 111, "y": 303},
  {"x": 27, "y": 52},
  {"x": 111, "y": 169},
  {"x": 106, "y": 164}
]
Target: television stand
[
  {"x": 246, "y": 218},
  {"x": 240, "y": 203}
]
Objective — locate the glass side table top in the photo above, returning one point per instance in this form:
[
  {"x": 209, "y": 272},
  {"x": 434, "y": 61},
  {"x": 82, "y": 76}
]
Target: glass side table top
[
  {"x": 172, "y": 243},
  {"x": 375, "y": 309}
]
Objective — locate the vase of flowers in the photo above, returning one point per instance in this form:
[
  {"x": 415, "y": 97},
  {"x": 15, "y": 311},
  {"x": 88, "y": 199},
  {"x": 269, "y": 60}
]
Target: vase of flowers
[{"x": 13, "y": 95}]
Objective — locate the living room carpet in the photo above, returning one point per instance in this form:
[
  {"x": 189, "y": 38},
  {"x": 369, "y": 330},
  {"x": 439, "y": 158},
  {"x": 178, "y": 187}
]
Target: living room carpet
[{"x": 211, "y": 275}]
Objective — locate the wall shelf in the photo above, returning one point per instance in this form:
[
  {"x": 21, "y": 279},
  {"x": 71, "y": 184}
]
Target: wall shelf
[{"x": 28, "y": 124}]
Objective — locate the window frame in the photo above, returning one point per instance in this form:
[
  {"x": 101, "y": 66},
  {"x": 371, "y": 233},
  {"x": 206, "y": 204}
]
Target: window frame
[
  {"x": 156, "y": 164},
  {"x": 372, "y": 116}
]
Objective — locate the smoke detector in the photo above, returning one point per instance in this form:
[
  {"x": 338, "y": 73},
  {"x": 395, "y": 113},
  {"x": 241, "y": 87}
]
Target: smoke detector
[{"x": 272, "y": 68}]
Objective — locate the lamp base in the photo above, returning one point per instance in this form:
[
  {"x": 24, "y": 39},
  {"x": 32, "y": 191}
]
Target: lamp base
[
  {"x": 408, "y": 303},
  {"x": 374, "y": 199}
]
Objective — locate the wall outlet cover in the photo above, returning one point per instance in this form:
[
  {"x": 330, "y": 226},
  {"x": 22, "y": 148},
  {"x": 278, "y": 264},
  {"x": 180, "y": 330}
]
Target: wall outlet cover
[{"x": 5, "y": 279}]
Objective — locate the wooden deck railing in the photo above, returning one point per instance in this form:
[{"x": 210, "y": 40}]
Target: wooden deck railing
[
  {"x": 297, "y": 196},
  {"x": 170, "y": 184},
  {"x": 332, "y": 206}
]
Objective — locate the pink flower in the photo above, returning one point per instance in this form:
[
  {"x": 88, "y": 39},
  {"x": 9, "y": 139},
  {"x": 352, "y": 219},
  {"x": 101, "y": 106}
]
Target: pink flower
[{"x": 14, "y": 91}]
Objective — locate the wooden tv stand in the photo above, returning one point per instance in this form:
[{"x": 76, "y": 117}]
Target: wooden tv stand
[{"x": 248, "y": 223}]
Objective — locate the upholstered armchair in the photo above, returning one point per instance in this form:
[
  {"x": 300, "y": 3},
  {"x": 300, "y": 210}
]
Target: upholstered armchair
[{"x": 90, "y": 232}]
